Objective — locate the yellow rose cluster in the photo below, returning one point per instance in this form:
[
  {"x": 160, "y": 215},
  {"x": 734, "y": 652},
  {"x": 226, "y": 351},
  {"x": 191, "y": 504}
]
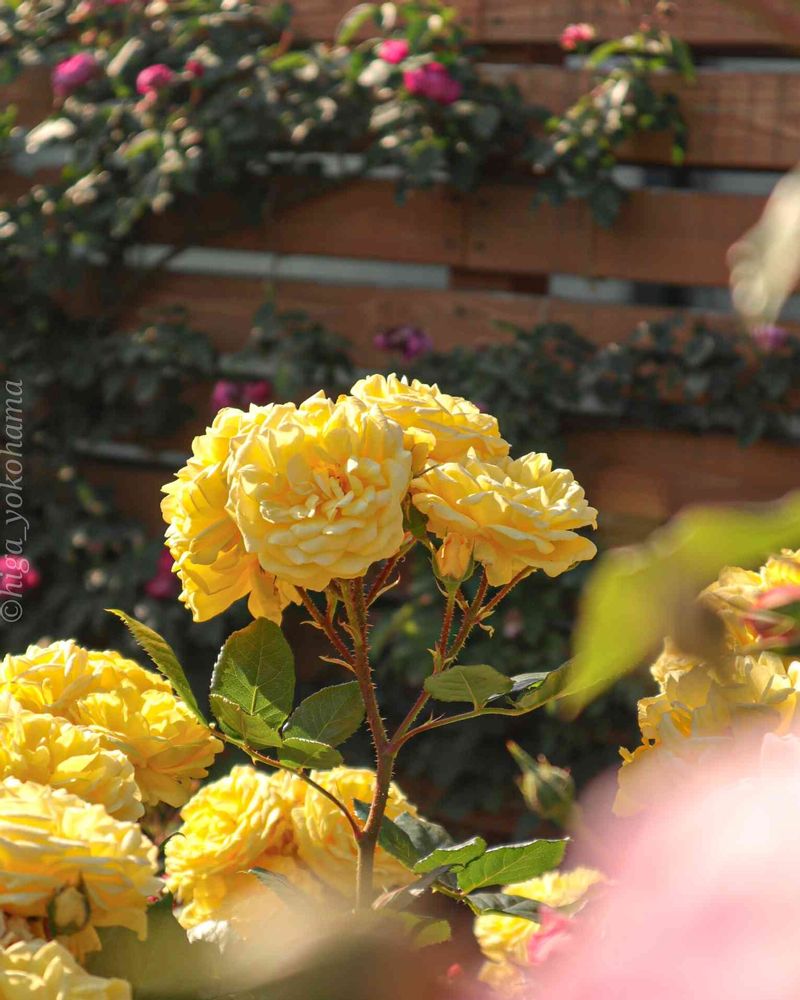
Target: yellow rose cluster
[
  {"x": 702, "y": 708},
  {"x": 506, "y": 941},
  {"x": 87, "y": 740},
  {"x": 285, "y": 497},
  {"x": 276, "y": 822}
]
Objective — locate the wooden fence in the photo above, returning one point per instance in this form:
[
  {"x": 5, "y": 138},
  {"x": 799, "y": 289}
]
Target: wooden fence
[{"x": 500, "y": 253}]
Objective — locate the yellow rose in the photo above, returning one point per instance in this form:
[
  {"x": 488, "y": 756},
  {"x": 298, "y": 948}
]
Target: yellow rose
[
  {"x": 52, "y": 678},
  {"x": 325, "y": 840},
  {"x": 319, "y": 496},
  {"x": 131, "y": 709},
  {"x": 52, "y": 842},
  {"x": 203, "y": 538},
  {"x": 736, "y": 590},
  {"x": 53, "y": 752},
  {"x": 516, "y": 515},
  {"x": 438, "y": 427},
  {"x": 240, "y": 822},
  {"x": 671, "y": 661},
  {"x": 45, "y": 970},
  {"x": 504, "y": 940}
]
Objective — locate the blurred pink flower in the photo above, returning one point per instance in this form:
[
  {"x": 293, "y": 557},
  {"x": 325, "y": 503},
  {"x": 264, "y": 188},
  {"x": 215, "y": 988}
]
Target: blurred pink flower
[
  {"x": 576, "y": 34},
  {"x": 393, "y": 50},
  {"x": 18, "y": 576},
  {"x": 770, "y": 338},
  {"x": 154, "y": 78},
  {"x": 195, "y": 67},
  {"x": 706, "y": 893},
  {"x": 556, "y": 932},
  {"x": 164, "y": 585},
  {"x": 410, "y": 341},
  {"x": 72, "y": 73},
  {"x": 432, "y": 81},
  {"x": 240, "y": 394}
]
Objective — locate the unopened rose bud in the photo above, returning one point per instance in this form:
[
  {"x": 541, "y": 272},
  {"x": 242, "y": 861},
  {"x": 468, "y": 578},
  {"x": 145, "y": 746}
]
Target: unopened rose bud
[
  {"x": 68, "y": 911},
  {"x": 548, "y": 790},
  {"x": 453, "y": 561}
]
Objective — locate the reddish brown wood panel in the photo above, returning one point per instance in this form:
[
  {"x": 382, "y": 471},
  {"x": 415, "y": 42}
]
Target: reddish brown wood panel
[
  {"x": 649, "y": 475},
  {"x": 676, "y": 237},
  {"x": 746, "y": 120},
  {"x": 322, "y": 18},
  {"x": 224, "y": 307},
  {"x": 713, "y": 23}
]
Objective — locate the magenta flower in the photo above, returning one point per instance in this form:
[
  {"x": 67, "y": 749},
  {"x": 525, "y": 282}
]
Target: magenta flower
[
  {"x": 154, "y": 78},
  {"x": 434, "y": 82},
  {"x": 576, "y": 34},
  {"x": 18, "y": 576},
  {"x": 240, "y": 394},
  {"x": 164, "y": 585},
  {"x": 195, "y": 68},
  {"x": 394, "y": 50},
  {"x": 410, "y": 341},
  {"x": 770, "y": 338},
  {"x": 74, "y": 72}
]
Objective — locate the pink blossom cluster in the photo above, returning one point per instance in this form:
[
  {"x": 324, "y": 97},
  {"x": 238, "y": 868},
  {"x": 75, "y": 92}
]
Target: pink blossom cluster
[
  {"x": 432, "y": 80},
  {"x": 575, "y": 35}
]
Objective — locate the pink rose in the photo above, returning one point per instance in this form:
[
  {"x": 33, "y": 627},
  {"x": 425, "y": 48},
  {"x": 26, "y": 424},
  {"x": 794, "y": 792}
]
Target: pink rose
[
  {"x": 164, "y": 585},
  {"x": 240, "y": 394},
  {"x": 555, "y": 932},
  {"x": 195, "y": 68},
  {"x": 576, "y": 34},
  {"x": 394, "y": 50},
  {"x": 434, "y": 82},
  {"x": 154, "y": 78},
  {"x": 769, "y": 337},
  {"x": 410, "y": 341},
  {"x": 72, "y": 73},
  {"x": 18, "y": 576}
]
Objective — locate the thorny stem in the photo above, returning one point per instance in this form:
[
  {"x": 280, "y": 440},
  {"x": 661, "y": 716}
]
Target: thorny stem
[
  {"x": 388, "y": 568},
  {"x": 327, "y": 626},
  {"x": 256, "y": 755},
  {"x": 355, "y": 604}
]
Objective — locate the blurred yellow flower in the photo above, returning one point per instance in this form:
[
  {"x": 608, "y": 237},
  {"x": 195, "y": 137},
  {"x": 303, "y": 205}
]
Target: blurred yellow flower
[
  {"x": 736, "y": 591},
  {"x": 71, "y": 862},
  {"x": 516, "y": 515},
  {"x": 240, "y": 822},
  {"x": 319, "y": 496},
  {"x": 53, "y": 752},
  {"x": 699, "y": 712},
  {"x": 325, "y": 840},
  {"x": 504, "y": 940},
  {"x": 45, "y": 970},
  {"x": 131, "y": 709},
  {"x": 203, "y": 538},
  {"x": 438, "y": 427}
]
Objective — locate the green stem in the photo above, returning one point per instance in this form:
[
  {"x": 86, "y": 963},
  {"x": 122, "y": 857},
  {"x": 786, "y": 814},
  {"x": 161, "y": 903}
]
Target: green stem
[{"x": 326, "y": 625}]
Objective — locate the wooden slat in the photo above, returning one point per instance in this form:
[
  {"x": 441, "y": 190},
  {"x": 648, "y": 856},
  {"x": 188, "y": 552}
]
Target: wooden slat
[
  {"x": 677, "y": 237},
  {"x": 321, "y": 18},
  {"x": 712, "y": 23},
  {"x": 664, "y": 236},
  {"x": 745, "y": 120},
  {"x": 649, "y": 475},
  {"x": 224, "y": 308}
]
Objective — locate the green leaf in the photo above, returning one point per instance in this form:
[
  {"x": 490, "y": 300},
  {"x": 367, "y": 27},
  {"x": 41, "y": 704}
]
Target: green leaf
[
  {"x": 475, "y": 684},
  {"x": 255, "y": 670},
  {"x": 298, "y": 752},
  {"x": 541, "y": 692},
  {"x": 163, "y": 656},
  {"x": 449, "y": 857},
  {"x": 391, "y": 837},
  {"x": 328, "y": 716},
  {"x": 638, "y": 595},
  {"x": 354, "y": 20},
  {"x": 513, "y": 863},
  {"x": 234, "y": 721},
  {"x": 503, "y": 903},
  {"x": 424, "y": 931},
  {"x": 280, "y": 885},
  {"x": 424, "y": 835}
]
